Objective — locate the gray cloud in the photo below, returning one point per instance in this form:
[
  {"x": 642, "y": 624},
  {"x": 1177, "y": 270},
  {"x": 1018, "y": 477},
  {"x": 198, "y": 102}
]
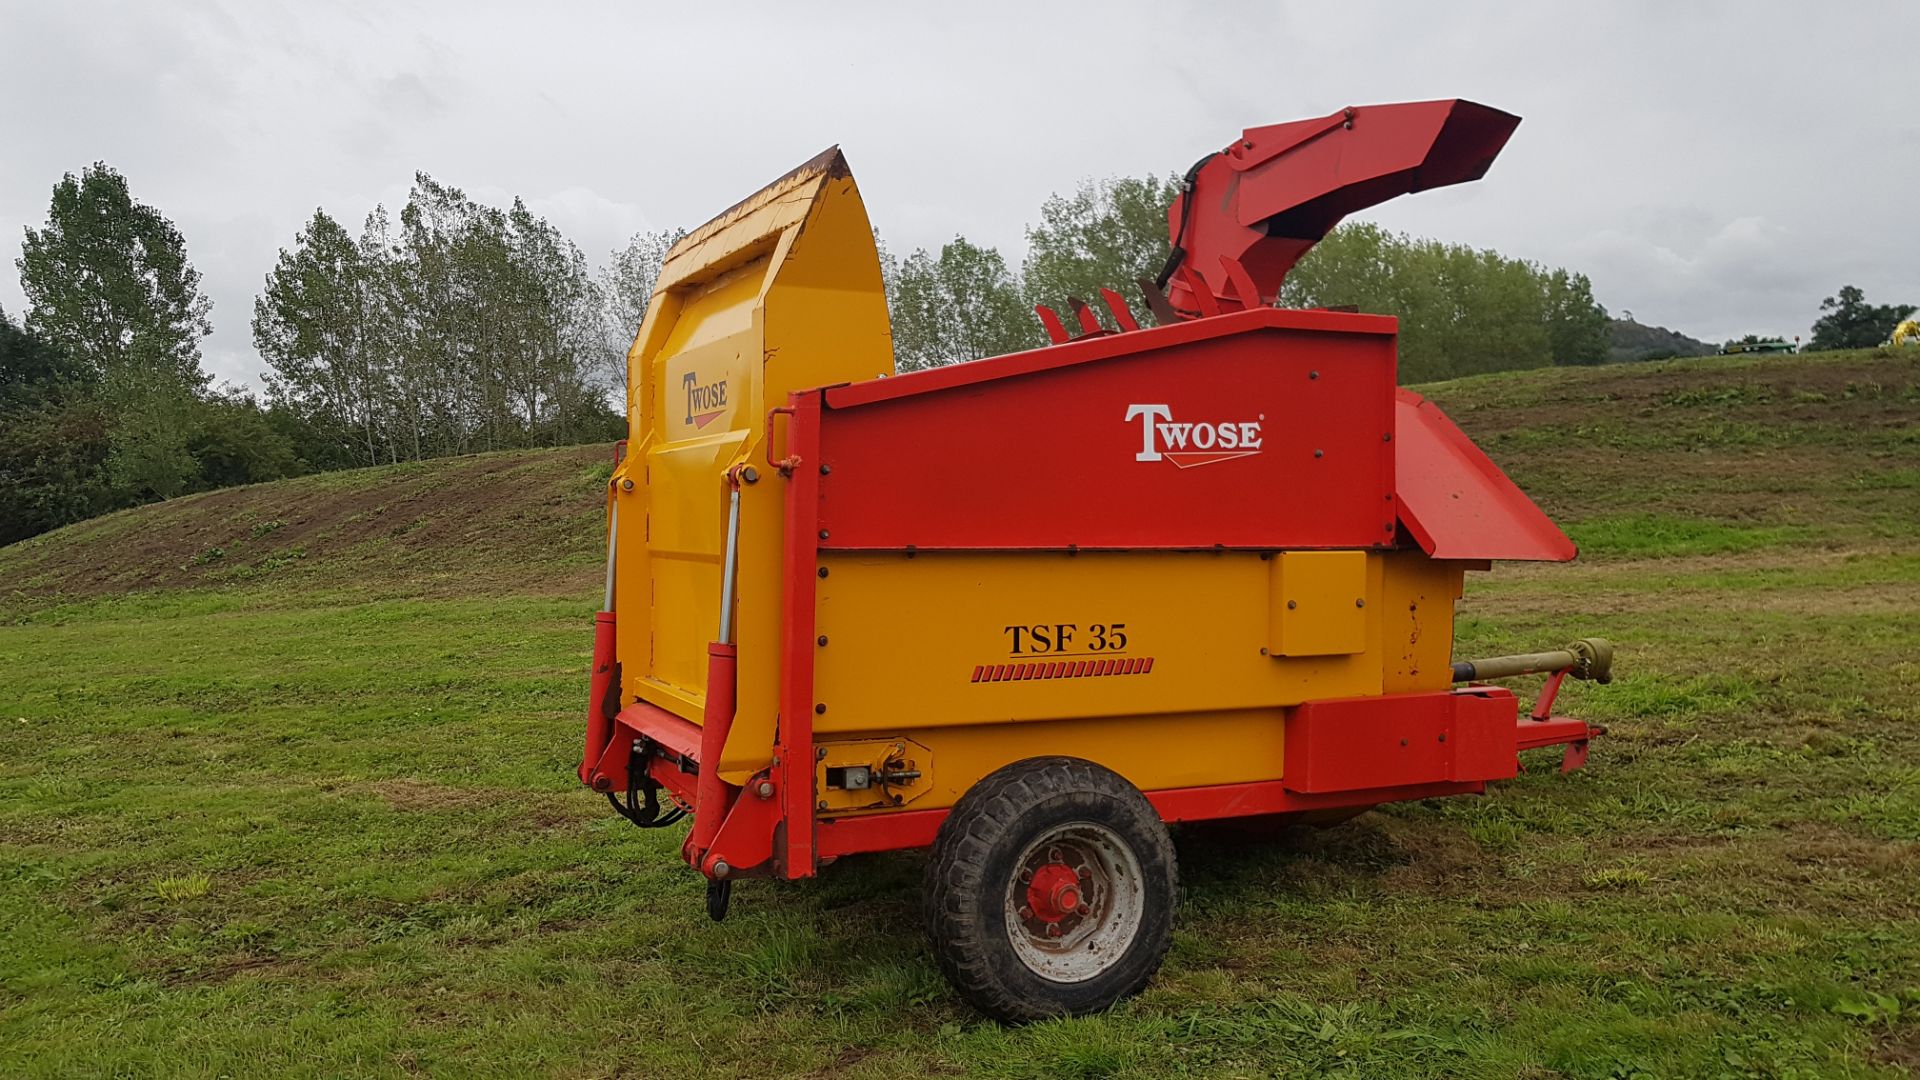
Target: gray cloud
[{"x": 1716, "y": 167}]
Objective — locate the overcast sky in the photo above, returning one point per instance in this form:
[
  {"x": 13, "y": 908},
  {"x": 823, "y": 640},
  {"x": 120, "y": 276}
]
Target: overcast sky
[{"x": 1714, "y": 167}]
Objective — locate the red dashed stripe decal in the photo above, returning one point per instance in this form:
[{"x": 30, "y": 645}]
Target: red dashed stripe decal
[{"x": 1062, "y": 669}]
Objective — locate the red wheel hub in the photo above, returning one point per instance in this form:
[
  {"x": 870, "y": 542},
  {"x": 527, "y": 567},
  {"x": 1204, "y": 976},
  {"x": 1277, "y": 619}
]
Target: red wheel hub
[{"x": 1054, "y": 893}]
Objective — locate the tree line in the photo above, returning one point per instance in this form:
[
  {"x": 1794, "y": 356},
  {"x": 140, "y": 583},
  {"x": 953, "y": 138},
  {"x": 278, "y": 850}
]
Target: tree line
[
  {"x": 455, "y": 327},
  {"x": 464, "y": 328},
  {"x": 1461, "y": 310},
  {"x": 458, "y": 327}
]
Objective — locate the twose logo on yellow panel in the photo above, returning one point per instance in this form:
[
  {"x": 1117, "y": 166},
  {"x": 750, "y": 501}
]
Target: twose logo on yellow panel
[{"x": 704, "y": 403}]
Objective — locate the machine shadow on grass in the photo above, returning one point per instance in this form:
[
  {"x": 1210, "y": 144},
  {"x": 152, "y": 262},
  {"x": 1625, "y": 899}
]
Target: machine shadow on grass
[{"x": 1226, "y": 867}]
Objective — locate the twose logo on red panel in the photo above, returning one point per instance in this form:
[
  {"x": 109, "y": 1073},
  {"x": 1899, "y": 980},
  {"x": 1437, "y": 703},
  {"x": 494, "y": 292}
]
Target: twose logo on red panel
[
  {"x": 1188, "y": 444},
  {"x": 704, "y": 403}
]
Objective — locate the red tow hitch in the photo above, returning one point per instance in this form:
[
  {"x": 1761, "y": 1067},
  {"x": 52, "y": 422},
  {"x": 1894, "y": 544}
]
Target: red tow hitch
[{"x": 1588, "y": 658}]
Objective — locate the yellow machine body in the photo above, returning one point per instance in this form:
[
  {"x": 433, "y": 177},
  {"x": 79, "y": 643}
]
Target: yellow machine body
[
  {"x": 784, "y": 292},
  {"x": 1380, "y": 623},
  {"x": 780, "y": 293}
]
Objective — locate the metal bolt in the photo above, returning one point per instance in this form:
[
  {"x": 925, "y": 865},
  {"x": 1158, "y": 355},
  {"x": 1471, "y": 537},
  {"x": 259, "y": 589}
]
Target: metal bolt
[
  {"x": 820, "y": 754},
  {"x": 1443, "y": 736},
  {"x": 1291, "y": 604},
  {"x": 820, "y": 709},
  {"x": 1053, "y": 929},
  {"x": 1403, "y": 742},
  {"x": 823, "y": 534},
  {"x": 823, "y": 571},
  {"x": 823, "y": 804},
  {"x": 825, "y": 469},
  {"x": 1025, "y": 876},
  {"x": 626, "y": 485},
  {"x": 1083, "y": 909},
  {"x": 1313, "y": 374},
  {"x": 764, "y": 789},
  {"x": 1362, "y": 602},
  {"x": 721, "y": 869},
  {"x": 1319, "y": 453},
  {"x": 749, "y": 475},
  {"x": 1386, "y": 436},
  {"x": 1026, "y": 912},
  {"x": 821, "y": 641}
]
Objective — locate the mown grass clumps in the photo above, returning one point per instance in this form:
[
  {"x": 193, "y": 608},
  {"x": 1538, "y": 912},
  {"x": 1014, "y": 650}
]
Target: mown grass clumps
[
  {"x": 1645, "y": 535},
  {"x": 310, "y": 810}
]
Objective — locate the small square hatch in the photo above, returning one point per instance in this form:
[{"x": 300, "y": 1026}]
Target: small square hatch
[{"x": 1317, "y": 603}]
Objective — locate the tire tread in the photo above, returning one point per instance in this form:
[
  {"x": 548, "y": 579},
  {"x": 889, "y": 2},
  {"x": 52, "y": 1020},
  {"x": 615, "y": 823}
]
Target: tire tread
[{"x": 958, "y": 882}]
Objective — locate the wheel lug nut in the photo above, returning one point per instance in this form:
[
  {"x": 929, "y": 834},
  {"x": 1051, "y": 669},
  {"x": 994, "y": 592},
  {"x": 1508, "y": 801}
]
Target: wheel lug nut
[
  {"x": 1026, "y": 912},
  {"x": 1053, "y": 929},
  {"x": 1053, "y": 855},
  {"x": 1084, "y": 908},
  {"x": 1026, "y": 876}
]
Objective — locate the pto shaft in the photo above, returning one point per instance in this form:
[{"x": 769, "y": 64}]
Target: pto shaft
[{"x": 1587, "y": 658}]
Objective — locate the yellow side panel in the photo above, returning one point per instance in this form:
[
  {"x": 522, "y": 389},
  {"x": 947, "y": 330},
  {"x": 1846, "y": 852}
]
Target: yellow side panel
[
  {"x": 1317, "y": 603},
  {"x": 913, "y": 641},
  {"x": 780, "y": 293},
  {"x": 978, "y": 657},
  {"x": 1153, "y": 751},
  {"x": 1418, "y": 618}
]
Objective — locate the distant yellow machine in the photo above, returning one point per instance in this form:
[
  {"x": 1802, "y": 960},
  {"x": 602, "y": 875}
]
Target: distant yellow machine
[{"x": 1907, "y": 333}]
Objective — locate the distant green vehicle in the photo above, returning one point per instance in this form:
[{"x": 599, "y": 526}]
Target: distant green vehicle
[{"x": 1771, "y": 345}]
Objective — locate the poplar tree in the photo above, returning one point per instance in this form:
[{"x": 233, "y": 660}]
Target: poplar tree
[
  {"x": 962, "y": 304},
  {"x": 108, "y": 283}
]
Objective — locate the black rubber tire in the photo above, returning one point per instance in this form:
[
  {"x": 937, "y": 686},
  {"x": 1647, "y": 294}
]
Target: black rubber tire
[{"x": 973, "y": 861}]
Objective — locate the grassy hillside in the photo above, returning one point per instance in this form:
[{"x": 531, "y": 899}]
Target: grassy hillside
[
  {"x": 520, "y": 521},
  {"x": 285, "y": 789}
]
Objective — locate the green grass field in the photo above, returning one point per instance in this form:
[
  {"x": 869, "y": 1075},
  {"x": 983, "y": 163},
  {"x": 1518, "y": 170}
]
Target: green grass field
[{"x": 305, "y": 806}]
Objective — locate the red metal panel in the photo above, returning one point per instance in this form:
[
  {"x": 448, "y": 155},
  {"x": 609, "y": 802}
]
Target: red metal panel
[
  {"x": 599, "y": 689},
  {"x": 1456, "y": 502},
  {"x": 675, "y": 735},
  {"x": 901, "y": 830},
  {"x": 1400, "y": 739},
  {"x": 1484, "y": 737},
  {"x": 1093, "y": 350},
  {"x": 793, "y": 764},
  {"x": 1256, "y": 429}
]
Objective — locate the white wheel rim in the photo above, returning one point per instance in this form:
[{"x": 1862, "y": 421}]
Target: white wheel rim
[{"x": 1075, "y": 901}]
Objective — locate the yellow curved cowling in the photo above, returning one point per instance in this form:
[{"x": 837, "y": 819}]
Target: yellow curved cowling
[{"x": 782, "y": 292}]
